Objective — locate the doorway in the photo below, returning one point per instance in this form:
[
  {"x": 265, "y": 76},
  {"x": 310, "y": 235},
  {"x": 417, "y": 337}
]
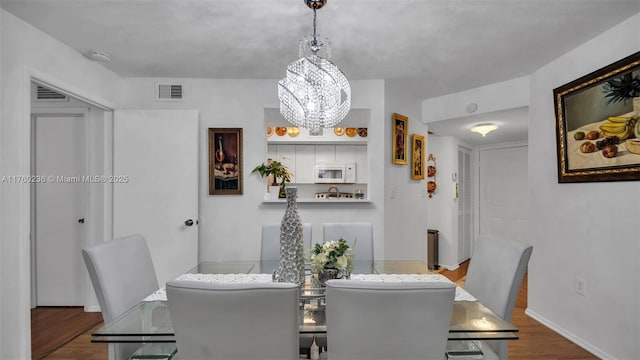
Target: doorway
[
  {"x": 465, "y": 204},
  {"x": 70, "y": 138},
  {"x": 503, "y": 196}
]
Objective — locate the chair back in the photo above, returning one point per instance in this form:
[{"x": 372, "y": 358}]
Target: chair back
[
  {"x": 122, "y": 274},
  {"x": 352, "y": 232},
  {"x": 270, "y": 244},
  {"x": 234, "y": 321},
  {"x": 494, "y": 277},
  {"x": 386, "y": 320}
]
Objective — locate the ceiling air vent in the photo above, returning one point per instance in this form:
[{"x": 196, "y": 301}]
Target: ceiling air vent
[
  {"x": 46, "y": 94},
  {"x": 168, "y": 92}
]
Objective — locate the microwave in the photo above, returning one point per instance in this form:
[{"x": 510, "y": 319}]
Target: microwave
[{"x": 335, "y": 173}]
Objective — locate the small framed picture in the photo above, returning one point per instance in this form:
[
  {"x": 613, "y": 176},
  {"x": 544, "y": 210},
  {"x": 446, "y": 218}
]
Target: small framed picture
[
  {"x": 225, "y": 161},
  {"x": 417, "y": 157},
  {"x": 400, "y": 124}
]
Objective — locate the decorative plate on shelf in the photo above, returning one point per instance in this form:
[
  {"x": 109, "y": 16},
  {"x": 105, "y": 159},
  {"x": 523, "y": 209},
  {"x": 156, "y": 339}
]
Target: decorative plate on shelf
[
  {"x": 293, "y": 131},
  {"x": 280, "y": 131},
  {"x": 269, "y": 131},
  {"x": 351, "y": 132},
  {"x": 338, "y": 131},
  {"x": 362, "y": 132}
]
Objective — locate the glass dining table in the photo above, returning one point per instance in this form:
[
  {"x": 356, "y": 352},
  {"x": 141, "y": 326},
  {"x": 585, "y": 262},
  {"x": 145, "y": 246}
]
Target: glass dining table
[{"x": 149, "y": 320}]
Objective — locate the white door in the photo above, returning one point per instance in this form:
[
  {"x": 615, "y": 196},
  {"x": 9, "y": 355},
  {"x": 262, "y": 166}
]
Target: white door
[
  {"x": 504, "y": 199},
  {"x": 155, "y": 192},
  {"x": 59, "y": 203},
  {"x": 465, "y": 204}
]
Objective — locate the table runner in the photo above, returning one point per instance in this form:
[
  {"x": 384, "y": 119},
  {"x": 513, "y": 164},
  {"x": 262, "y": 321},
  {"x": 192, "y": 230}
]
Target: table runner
[{"x": 461, "y": 294}]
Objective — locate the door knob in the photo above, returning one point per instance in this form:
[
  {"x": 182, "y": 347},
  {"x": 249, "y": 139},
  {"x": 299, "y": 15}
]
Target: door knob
[
  {"x": 81, "y": 220},
  {"x": 190, "y": 222}
]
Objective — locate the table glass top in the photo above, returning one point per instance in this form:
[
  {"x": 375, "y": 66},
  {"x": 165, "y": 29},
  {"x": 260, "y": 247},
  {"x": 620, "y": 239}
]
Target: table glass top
[{"x": 150, "y": 321}]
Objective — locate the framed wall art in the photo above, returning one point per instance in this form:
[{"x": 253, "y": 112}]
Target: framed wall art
[
  {"x": 597, "y": 127},
  {"x": 225, "y": 161},
  {"x": 400, "y": 124},
  {"x": 417, "y": 157}
]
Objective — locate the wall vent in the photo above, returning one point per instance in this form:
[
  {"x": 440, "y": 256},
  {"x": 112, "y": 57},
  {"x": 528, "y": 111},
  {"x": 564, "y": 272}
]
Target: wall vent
[
  {"x": 46, "y": 94},
  {"x": 168, "y": 92}
]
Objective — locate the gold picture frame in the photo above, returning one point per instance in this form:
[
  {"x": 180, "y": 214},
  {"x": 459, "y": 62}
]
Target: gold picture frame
[
  {"x": 225, "y": 161},
  {"x": 417, "y": 157},
  {"x": 586, "y": 111},
  {"x": 399, "y": 146}
]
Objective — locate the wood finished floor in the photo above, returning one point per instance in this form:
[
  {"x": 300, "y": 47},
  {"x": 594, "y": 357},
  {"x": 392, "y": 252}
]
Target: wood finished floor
[
  {"x": 53, "y": 327},
  {"x": 536, "y": 341}
]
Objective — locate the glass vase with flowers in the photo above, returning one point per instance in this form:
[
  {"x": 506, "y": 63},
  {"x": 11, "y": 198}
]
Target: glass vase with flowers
[{"x": 331, "y": 260}]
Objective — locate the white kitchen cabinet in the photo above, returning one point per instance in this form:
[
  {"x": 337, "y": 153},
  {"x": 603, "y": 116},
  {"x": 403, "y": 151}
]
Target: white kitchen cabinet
[
  {"x": 362, "y": 164},
  {"x": 305, "y": 162},
  {"x": 345, "y": 153},
  {"x": 286, "y": 154},
  {"x": 272, "y": 152},
  {"x": 301, "y": 159},
  {"x": 325, "y": 153}
]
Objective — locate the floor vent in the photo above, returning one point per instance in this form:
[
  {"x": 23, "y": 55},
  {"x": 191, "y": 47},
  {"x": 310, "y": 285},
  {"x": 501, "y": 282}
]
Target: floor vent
[
  {"x": 46, "y": 94},
  {"x": 168, "y": 92}
]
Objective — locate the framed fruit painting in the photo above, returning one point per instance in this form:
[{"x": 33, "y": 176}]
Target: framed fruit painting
[{"x": 598, "y": 126}]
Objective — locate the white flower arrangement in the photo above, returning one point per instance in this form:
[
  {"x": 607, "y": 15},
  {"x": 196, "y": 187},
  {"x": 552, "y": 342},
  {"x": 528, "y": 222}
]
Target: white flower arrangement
[{"x": 332, "y": 254}]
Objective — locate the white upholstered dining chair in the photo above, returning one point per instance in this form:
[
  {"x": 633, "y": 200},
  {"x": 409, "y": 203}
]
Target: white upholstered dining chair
[
  {"x": 494, "y": 277},
  {"x": 270, "y": 243},
  {"x": 361, "y": 233},
  {"x": 388, "y": 320},
  {"x": 234, "y": 320},
  {"x": 122, "y": 274}
]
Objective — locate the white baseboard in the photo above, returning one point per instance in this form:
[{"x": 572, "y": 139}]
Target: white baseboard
[
  {"x": 92, "y": 308},
  {"x": 449, "y": 267},
  {"x": 569, "y": 336}
]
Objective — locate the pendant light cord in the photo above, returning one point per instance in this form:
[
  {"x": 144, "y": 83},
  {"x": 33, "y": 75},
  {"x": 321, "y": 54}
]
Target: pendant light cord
[{"x": 315, "y": 41}]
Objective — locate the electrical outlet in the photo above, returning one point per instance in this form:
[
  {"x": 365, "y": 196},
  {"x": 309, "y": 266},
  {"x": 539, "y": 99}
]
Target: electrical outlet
[{"x": 581, "y": 287}]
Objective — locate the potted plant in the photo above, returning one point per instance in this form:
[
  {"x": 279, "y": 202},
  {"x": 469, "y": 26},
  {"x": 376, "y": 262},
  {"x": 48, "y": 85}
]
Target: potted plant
[{"x": 278, "y": 171}]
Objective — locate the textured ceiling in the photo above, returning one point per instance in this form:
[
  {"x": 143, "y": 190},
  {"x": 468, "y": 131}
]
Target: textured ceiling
[{"x": 434, "y": 47}]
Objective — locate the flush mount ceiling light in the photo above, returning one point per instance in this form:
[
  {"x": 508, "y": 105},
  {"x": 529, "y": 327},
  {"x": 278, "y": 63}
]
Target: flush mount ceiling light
[
  {"x": 315, "y": 93},
  {"x": 484, "y": 129}
]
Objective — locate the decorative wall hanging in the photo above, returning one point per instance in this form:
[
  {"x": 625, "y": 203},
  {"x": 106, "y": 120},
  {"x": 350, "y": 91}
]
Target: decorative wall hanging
[
  {"x": 597, "y": 127},
  {"x": 431, "y": 173},
  {"x": 417, "y": 159},
  {"x": 225, "y": 161},
  {"x": 400, "y": 124}
]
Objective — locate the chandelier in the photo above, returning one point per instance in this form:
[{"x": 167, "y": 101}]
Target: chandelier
[{"x": 315, "y": 93}]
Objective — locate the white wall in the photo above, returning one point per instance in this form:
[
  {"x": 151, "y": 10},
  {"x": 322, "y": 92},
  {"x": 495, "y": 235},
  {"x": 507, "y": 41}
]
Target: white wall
[
  {"x": 27, "y": 52},
  {"x": 230, "y": 224},
  {"x": 585, "y": 230},
  {"x": 508, "y": 94},
  {"x": 405, "y": 200}
]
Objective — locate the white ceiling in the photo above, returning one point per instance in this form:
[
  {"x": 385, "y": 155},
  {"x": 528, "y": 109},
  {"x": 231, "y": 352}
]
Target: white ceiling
[
  {"x": 512, "y": 127},
  {"x": 434, "y": 47}
]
